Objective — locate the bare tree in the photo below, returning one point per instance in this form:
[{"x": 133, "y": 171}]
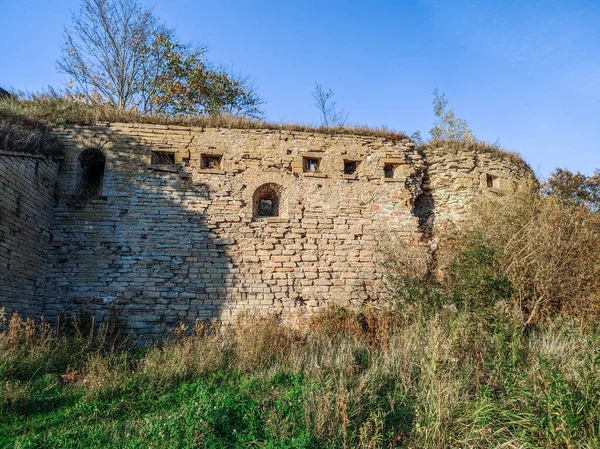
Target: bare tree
[
  {"x": 330, "y": 116},
  {"x": 118, "y": 53},
  {"x": 104, "y": 51}
]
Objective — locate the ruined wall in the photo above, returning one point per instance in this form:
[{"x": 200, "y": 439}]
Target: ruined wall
[
  {"x": 26, "y": 207},
  {"x": 163, "y": 223},
  {"x": 458, "y": 175},
  {"x": 168, "y": 243}
]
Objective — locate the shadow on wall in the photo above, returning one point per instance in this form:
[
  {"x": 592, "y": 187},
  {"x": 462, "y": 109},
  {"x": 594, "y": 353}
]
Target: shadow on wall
[
  {"x": 29, "y": 162},
  {"x": 138, "y": 242}
]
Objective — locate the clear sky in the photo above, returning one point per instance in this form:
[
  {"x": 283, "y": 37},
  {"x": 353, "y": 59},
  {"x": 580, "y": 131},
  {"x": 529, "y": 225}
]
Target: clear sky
[{"x": 525, "y": 72}]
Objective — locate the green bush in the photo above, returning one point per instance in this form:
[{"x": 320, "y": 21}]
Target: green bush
[
  {"x": 476, "y": 279},
  {"x": 539, "y": 253}
]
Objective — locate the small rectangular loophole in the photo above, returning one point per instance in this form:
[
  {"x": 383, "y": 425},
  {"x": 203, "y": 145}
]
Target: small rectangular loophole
[
  {"x": 388, "y": 170},
  {"x": 211, "y": 161},
  {"x": 311, "y": 164},
  {"x": 163, "y": 158},
  {"x": 350, "y": 167}
]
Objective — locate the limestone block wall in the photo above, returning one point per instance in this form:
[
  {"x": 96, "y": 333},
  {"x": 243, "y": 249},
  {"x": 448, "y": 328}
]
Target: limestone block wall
[
  {"x": 26, "y": 208},
  {"x": 457, "y": 178},
  {"x": 173, "y": 234},
  {"x": 169, "y": 224}
]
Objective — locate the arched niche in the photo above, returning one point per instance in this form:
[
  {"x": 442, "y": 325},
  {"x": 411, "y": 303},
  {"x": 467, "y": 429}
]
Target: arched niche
[
  {"x": 90, "y": 173},
  {"x": 267, "y": 201}
]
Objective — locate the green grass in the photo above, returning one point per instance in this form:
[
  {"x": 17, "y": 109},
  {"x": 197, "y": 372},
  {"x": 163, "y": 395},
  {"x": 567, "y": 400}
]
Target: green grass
[
  {"x": 349, "y": 379},
  {"x": 218, "y": 410}
]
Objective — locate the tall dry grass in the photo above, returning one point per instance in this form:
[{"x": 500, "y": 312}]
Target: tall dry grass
[
  {"x": 369, "y": 378},
  {"x": 21, "y": 134},
  {"x": 548, "y": 250},
  {"x": 52, "y": 110}
]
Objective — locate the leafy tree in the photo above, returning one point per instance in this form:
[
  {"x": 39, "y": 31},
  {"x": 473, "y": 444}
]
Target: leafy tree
[
  {"x": 330, "y": 116},
  {"x": 117, "y": 53},
  {"x": 448, "y": 126},
  {"x": 234, "y": 95},
  {"x": 163, "y": 82},
  {"x": 185, "y": 84},
  {"x": 575, "y": 188}
]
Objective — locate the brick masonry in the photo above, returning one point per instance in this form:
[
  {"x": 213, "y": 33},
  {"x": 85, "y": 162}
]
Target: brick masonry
[
  {"x": 173, "y": 235},
  {"x": 26, "y": 206}
]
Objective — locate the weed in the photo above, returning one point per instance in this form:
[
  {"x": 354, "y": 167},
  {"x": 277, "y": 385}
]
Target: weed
[{"x": 345, "y": 378}]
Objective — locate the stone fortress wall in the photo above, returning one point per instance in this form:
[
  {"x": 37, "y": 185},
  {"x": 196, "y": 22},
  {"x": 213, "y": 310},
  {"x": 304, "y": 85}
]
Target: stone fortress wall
[
  {"x": 26, "y": 207},
  {"x": 169, "y": 224}
]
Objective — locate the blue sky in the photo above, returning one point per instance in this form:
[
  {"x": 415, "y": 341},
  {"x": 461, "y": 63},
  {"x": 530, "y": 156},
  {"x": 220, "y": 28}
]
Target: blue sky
[{"x": 525, "y": 72}]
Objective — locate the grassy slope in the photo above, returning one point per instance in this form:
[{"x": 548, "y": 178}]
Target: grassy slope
[
  {"x": 454, "y": 369},
  {"x": 455, "y": 379}
]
